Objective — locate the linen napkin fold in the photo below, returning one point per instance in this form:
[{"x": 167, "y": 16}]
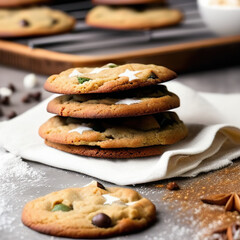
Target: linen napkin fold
[{"x": 213, "y": 142}]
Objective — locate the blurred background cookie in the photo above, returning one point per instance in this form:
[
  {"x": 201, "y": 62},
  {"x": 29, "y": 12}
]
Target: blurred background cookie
[
  {"x": 126, "y": 2},
  {"x": 130, "y": 18},
  {"x": 17, "y": 3},
  {"x": 34, "y": 21}
]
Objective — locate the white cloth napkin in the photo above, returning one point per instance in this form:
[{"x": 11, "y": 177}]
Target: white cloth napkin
[{"x": 213, "y": 121}]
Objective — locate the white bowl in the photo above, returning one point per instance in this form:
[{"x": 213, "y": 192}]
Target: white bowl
[{"x": 223, "y": 20}]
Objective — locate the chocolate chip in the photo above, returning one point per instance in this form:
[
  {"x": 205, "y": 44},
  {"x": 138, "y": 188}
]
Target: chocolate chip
[
  {"x": 54, "y": 21},
  {"x": 26, "y": 99},
  {"x": 11, "y": 115},
  {"x": 99, "y": 185},
  {"x": 36, "y": 96},
  {"x": 5, "y": 100},
  {"x": 172, "y": 186},
  {"x": 102, "y": 220},
  {"x": 12, "y": 87},
  {"x": 24, "y": 23},
  {"x": 1, "y": 112}
]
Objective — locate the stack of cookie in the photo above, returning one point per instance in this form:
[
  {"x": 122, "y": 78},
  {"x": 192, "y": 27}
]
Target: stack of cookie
[{"x": 113, "y": 111}]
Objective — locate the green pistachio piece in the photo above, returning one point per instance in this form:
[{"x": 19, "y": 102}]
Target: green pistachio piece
[
  {"x": 112, "y": 65},
  {"x": 153, "y": 76},
  {"x": 61, "y": 207},
  {"x": 83, "y": 79}
]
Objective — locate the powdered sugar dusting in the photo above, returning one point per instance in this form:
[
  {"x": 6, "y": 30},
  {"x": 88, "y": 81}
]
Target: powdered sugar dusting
[{"x": 15, "y": 177}]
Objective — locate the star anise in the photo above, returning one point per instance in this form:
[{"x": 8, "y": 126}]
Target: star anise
[
  {"x": 231, "y": 201},
  {"x": 231, "y": 232}
]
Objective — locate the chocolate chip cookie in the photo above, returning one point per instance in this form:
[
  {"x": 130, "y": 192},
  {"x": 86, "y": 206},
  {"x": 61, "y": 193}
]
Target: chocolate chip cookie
[
  {"x": 159, "y": 129},
  {"x": 109, "y": 153},
  {"x": 33, "y": 21},
  {"x": 129, "y": 18},
  {"x": 109, "y": 78},
  {"x": 135, "y": 102},
  {"x": 17, "y": 3},
  {"x": 93, "y": 211}
]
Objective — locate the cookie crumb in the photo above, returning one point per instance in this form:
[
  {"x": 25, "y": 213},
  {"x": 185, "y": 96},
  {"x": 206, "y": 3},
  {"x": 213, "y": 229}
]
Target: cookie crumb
[
  {"x": 160, "y": 185},
  {"x": 172, "y": 186}
]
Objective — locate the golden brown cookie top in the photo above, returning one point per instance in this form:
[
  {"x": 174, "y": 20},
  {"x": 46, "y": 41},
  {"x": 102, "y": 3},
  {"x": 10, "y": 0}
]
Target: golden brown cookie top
[
  {"x": 134, "y": 102},
  {"x": 107, "y": 79},
  {"x": 33, "y": 21},
  {"x": 159, "y": 129},
  {"x": 130, "y": 18},
  {"x": 90, "y": 212}
]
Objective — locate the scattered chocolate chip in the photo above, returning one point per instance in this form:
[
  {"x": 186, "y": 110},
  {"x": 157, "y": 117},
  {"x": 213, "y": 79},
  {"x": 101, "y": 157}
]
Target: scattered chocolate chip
[
  {"x": 102, "y": 220},
  {"x": 26, "y": 99},
  {"x": 24, "y": 23},
  {"x": 172, "y": 186},
  {"x": 99, "y": 185},
  {"x": 36, "y": 96},
  {"x": 1, "y": 112},
  {"x": 12, "y": 87},
  {"x": 11, "y": 115},
  {"x": 5, "y": 100}
]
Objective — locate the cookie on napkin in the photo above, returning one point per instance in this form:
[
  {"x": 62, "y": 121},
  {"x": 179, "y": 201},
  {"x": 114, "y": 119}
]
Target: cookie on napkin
[
  {"x": 93, "y": 211},
  {"x": 129, "y": 18},
  {"x": 135, "y": 102},
  {"x": 34, "y": 21},
  {"x": 159, "y": 129},
  {"x": 109, "y": 153},
  {"x": 109, "y": 78}
]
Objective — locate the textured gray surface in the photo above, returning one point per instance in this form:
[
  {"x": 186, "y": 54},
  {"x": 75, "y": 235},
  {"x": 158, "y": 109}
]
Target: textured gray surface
[{"x": 168, "y": 226}]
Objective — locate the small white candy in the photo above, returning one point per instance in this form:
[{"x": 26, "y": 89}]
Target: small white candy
[
  {"x": 75, "y": 73},
  {"x": 5, "y": 92},
  {"x": 97, "y": 70},
  {"x": 30, "y": 81}
]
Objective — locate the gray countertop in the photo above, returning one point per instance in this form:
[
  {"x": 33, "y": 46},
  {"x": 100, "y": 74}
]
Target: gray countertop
[{"x": 43, "y": 179}]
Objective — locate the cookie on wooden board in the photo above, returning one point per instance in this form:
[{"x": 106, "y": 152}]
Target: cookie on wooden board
[
  {"x": 18, "y": 3},
  {"x": 135, "y": 102},
  {"x": 34, "y": 21},
  {"x": 109, "y": 78},
  {"x": 129, "y": 18},
  {"x": 159, "y": 129},
  {"x": 93, "y": 211}
]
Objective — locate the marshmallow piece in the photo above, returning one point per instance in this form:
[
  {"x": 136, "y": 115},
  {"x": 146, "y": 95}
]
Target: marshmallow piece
[
  {"x": 81, "y": 129},
  {"x": 30, "y": 81},
  {"x": 128, "y": 101},
  {"x": 5, "y": 92}
]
